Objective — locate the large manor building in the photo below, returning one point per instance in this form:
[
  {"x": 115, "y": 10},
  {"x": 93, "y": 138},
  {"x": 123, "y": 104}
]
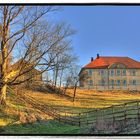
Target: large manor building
[{"x": 111, "y": 73}]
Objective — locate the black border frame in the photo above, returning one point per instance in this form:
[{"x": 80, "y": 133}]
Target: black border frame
[{"x": 77, "y": 4}]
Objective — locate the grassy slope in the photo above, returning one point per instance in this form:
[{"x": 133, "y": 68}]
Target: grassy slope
[
  {"x": 48, "y": 127},
  {"x": 85, "y": 100},
  {"x": 10, "y": 124}
]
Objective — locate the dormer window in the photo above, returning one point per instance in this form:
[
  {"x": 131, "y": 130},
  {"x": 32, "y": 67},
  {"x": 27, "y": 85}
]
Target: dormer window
[{"x": 117, "y": 66}]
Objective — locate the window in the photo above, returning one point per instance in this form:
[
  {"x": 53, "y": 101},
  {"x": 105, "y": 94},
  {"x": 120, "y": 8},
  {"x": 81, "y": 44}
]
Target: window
[
  {"x": 132, "y": 72},
  {"x": 130, "y": 82},
  {"x": 90, "y": 72},
  {"x": 124, "y": 82},
  {"x": 101, "y": 72},
  {"x": 124, "y": 72},
  {"x": 134, "y": 82},
  {"x": 118, "y": 73},
  {"x": 102, "y": 82},
  {"x": 111, "y": 82},
  {"x": 90, "y": 83},
  {"x": 118, "y": 82},
  {"x": 112, "y": 72}
]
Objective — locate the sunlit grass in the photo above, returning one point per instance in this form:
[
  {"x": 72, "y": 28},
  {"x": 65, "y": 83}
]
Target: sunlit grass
[
  {"x": 16, "y": 109},
  {"x": 4, "y": 122},
  {"x": 85, "y": 99}
]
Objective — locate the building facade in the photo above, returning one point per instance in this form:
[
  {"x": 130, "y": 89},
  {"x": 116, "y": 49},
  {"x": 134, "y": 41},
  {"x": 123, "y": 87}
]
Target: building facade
[
  {"x": 34, "y": 75},
  {"x": 111, "y": 73}
]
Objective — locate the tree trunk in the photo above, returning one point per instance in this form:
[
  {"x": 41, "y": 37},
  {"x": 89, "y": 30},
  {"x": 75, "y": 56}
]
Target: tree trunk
[
  {"x": 4, "y": 81},
  {"x": 66, "y": 88},
  {"x": 3, "y": 95},
  {"x": 4, "y": 65},
  {"x": 75, "y": 87},
  {"x": 61, "y": 75},
  {"x": 60, "y": 82},
  {"x": 56, "y": 75},
  {"x": 4, "y": 68}
]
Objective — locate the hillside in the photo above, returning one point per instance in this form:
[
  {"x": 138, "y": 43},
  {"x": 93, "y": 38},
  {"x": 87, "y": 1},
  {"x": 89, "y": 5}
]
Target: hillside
[
  {"x": 20, "y": 117},
  {"x": 85, "y": 99}
]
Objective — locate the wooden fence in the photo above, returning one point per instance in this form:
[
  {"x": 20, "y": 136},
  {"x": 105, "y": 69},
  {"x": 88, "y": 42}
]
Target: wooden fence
[{"x": 126, "y": 111}]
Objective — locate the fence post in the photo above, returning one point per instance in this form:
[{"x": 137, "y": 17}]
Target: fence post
[
  {"x": 71, "y": 116},
  {"x": 87, "y": 117},
  {"x": 59, "y": 117},
  {"x": 96, "y": 116},
  {"x": 138, "y": 112},
  {"x": 79, "y": 119},
  {"x": 113, "y": 117},
  {"x": 125, "y": 114},
  {"x": 65, "y": 117}
]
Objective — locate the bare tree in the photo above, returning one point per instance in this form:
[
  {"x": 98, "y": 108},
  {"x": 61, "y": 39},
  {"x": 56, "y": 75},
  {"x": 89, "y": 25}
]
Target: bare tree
[
  {"x": 74, "y": 77},
  {"x": 82, "y": 77},
  {"x": 20, "y": 26},
  {"x": 63, "y": 62},
  {"x": 68, "y": 60},
  {"x": 68, "y": 82},
  {"x": 64, "y": 58}
]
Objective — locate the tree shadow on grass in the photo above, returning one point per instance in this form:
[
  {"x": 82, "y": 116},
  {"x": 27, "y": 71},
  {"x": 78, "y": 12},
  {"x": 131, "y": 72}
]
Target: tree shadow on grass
[{"x": 38, "y": 127}]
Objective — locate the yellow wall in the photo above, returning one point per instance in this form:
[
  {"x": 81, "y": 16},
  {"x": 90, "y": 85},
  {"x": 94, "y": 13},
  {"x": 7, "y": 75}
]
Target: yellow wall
[{"x": 96, "y": 77}]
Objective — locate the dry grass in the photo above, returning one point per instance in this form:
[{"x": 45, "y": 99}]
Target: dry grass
[
  {"x": 85, "y": 99},
  {"x": 19, "y": 112}
]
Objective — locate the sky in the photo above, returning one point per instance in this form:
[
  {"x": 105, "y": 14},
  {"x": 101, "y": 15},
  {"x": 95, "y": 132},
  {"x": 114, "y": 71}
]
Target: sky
[{"x": 107, "y": 30}]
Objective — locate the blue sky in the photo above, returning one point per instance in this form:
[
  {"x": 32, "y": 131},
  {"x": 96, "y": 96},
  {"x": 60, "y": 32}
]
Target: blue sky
[{"x": 107, "y": 30}]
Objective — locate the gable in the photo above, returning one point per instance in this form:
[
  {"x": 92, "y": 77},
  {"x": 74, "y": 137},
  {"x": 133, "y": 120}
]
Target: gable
[{"x": 117, "y": 65}]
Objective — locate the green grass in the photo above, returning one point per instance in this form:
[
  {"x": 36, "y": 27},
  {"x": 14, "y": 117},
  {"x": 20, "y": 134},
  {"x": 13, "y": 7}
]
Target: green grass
[
  {"x": 85, "y": 101},
  {"x": 49, "y": 127}
]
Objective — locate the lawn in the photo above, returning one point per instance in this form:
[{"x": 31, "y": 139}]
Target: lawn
[
  {"x": 45, "y": 127},
  {"x": 85, "y": 99}
]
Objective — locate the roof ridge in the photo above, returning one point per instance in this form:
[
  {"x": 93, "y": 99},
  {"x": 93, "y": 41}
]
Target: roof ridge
[
  {"x": 116, "y": 56},
  {"x": 104, "y": 61},
  {"x": 134, "y": 60}
]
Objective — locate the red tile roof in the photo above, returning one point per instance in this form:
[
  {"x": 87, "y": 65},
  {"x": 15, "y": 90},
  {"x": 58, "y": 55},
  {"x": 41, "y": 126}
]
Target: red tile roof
[{"x": 104, "y": 62}]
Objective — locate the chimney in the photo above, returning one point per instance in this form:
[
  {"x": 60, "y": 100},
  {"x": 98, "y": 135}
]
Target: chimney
[
  {"x": 92, "y": 59},
  {"x": 98, "y": 56}
]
